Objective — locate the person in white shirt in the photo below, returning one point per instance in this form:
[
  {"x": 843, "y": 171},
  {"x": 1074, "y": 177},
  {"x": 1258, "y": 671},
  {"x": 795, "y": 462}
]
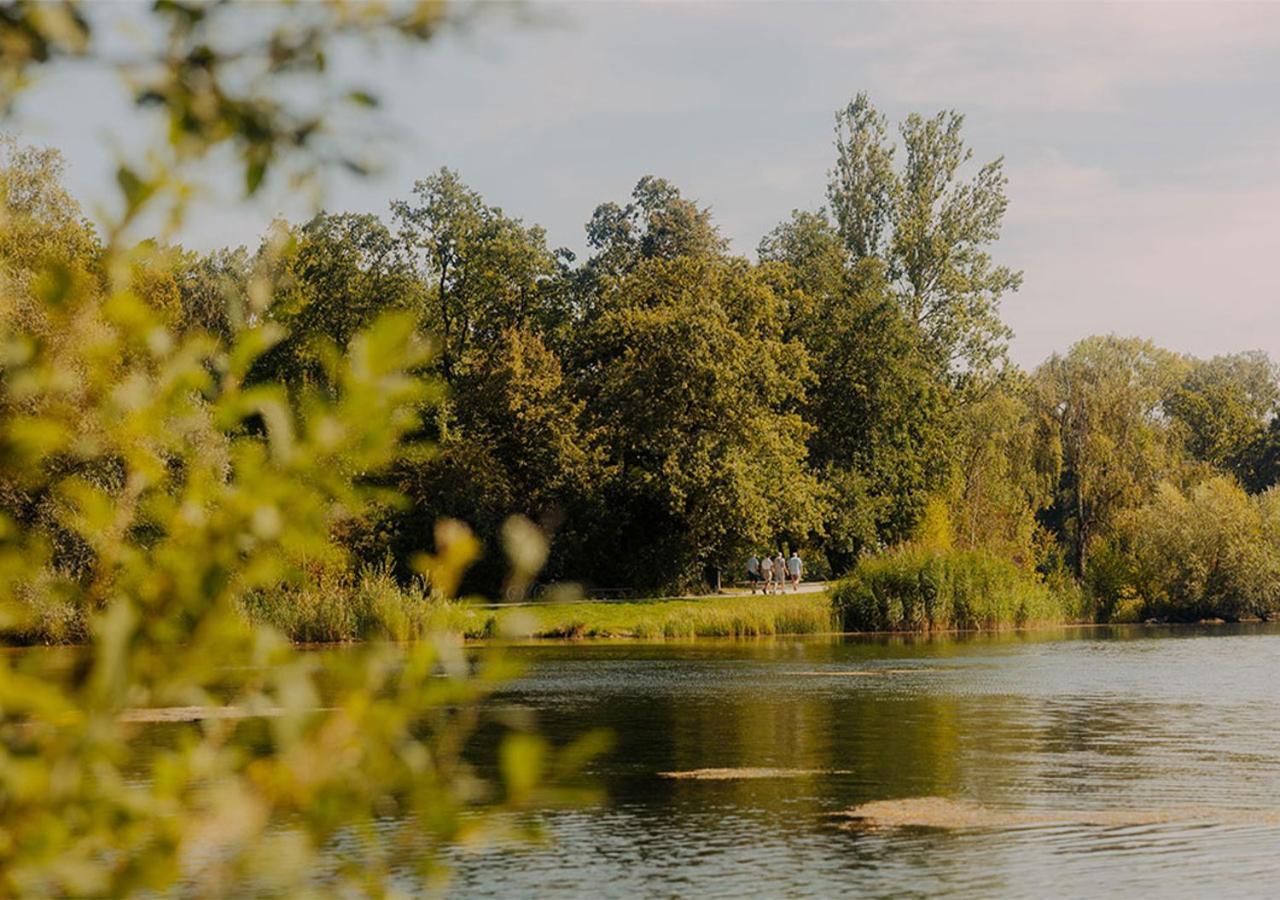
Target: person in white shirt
[
  {"x": 794, "y": 568},
  {"x": 766, "y": 572}
]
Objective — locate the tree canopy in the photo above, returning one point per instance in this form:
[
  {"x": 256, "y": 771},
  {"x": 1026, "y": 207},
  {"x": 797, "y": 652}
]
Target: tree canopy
[
  {"x": 844, "y": 392},
  {"x": 929, "y": 225}
]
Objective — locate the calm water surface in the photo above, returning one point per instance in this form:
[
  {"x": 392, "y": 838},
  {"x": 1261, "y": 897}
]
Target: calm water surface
[{"x": 1126, "y": 719}]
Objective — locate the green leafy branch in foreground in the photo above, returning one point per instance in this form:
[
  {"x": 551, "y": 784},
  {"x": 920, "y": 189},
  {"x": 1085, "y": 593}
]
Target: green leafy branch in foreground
[
  {"x": 221, "y": 74},
  {"x": 195, "y": 510},
  {"x": 147, "y": 489}
]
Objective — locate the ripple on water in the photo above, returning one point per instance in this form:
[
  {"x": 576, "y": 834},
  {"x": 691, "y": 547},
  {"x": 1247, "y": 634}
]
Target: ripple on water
[{"x": 1118, "y": 762}]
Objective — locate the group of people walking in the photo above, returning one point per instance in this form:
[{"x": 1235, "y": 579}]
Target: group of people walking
[{"x": 772, "y": 575}]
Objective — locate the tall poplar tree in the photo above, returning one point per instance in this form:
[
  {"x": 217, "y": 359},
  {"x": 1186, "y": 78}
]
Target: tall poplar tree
[{"x": 930, "y": 224}]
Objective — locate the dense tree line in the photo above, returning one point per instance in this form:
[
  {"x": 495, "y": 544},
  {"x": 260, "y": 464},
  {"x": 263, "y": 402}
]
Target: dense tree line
[{"x": 664, "y": 405}]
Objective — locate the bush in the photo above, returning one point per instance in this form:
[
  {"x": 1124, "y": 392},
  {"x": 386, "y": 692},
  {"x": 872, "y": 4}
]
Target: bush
[
  {"x": 1110, "y": 580},
  {"x": 917, "y": 589},
  {"x": 1211, "y": 552}
]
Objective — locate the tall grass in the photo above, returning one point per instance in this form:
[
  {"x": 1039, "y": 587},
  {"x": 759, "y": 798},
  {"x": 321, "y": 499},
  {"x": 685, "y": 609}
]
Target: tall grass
[
  {"x": 340, "y": 606},
  {"x": 344, "y": 608},
  {"x": 916, "y": 589},
  {"x": 333, "y": 606},
  {"x": 752, "y": 619}
]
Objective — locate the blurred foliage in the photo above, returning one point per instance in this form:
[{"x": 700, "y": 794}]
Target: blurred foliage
[
  {"x": 150, "y": 488},
  {"x": 222, "y": 73}
]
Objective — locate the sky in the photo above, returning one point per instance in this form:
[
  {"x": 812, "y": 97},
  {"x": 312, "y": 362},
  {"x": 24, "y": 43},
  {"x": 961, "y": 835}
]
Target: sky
[{"x": 1141, "y": 140}]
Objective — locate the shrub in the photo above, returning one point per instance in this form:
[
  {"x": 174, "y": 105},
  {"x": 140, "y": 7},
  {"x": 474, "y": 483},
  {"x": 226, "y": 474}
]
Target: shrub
[
  {"x": 918, "y": 589},
  {"x": 1109, "y": 579},
  {"x": 1209, "y": 552}
]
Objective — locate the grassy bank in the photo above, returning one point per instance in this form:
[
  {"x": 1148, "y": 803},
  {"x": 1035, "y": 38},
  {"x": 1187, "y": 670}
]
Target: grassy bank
[
  {"x": 913, "y": 589},
  {"x": 735, "y": 616},
  {"x": 373, "y": 604},
  {"x": 903, "y": 590},
  {"x": 336, "y": 607}
]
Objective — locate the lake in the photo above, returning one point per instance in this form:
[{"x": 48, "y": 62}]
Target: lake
[{"x": 1121, "y": 761}]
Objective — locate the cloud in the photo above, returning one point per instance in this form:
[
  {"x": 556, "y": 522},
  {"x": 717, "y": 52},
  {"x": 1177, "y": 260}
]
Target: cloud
[
  {"x": 1185, "y": 263},
  {"x": 1066, "y": 56}
]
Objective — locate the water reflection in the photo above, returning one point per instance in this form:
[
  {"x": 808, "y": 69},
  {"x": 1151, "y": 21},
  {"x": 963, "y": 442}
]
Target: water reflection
[
  {"x": 1100, "y": 719},
  {"x": 1125, "y": 719}
]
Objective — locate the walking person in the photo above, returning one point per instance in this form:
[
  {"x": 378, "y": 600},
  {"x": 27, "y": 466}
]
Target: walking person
[
  {"x": 794, "y": 568},
  {"x": 780, "y": 571},
  {"x": 766, "y": 571},
  {"x": 753, "y": 571}
]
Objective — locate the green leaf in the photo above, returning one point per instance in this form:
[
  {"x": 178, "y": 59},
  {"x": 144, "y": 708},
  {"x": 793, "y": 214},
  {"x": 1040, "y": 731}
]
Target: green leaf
[
  {"x": 522, "y": 760},
  {"x": 136, "y": 190},
  {"x": 254, "y": 172}
]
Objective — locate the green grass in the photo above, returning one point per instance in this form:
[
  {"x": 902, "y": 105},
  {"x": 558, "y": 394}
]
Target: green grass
[
  {"x": 728, "y": 616},
  {"x": 335, "y": 606}
]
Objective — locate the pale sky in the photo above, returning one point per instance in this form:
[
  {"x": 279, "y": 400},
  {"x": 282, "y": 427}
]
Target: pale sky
[{"x": 1142, "y": 140}]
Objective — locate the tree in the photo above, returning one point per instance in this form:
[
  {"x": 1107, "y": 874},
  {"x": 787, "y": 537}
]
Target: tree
[
  {"x": 46, "y": 243},
  {"x": 517, "y": 446},
  {"x": 214, "y": 289},
  {"x": 1005, "y": 471},
  {"x": 928, "y": 226},
  {"x": 1258, "y": 464},
  {"x": 1100, "y": 408},
  {"x": 487, "y": 272},
  {"x": 877, "y": 406},
  {"x": 880, "y": 413},
  {"x": 658, "y": 223},
  {"x": 339, "y": 273},
  {"x": 1223, "y": 407},
  {"x": 1208, "y": 552},
  {"x": 696, "y": 399},
  {"x": 814, "y": 260}
]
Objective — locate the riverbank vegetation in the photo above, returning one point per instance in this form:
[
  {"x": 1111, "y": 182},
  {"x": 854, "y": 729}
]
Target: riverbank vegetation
[
  {"x": 374, "y": 604},
  {"x": 662, "y": 405},
  {"x": 734, "y": 616},
  {"x": 920, "y": 589}
]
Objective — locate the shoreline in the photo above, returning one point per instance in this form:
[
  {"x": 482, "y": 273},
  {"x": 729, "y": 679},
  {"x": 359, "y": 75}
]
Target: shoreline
[
  {"x": 540, "y": 640},
  {"x": 663, "y": 620}
]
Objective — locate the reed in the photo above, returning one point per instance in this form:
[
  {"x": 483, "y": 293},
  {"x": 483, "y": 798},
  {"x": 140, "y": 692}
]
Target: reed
[
  {"x": 916, "y": 589},
  {"x": 337, "y": 606}
]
